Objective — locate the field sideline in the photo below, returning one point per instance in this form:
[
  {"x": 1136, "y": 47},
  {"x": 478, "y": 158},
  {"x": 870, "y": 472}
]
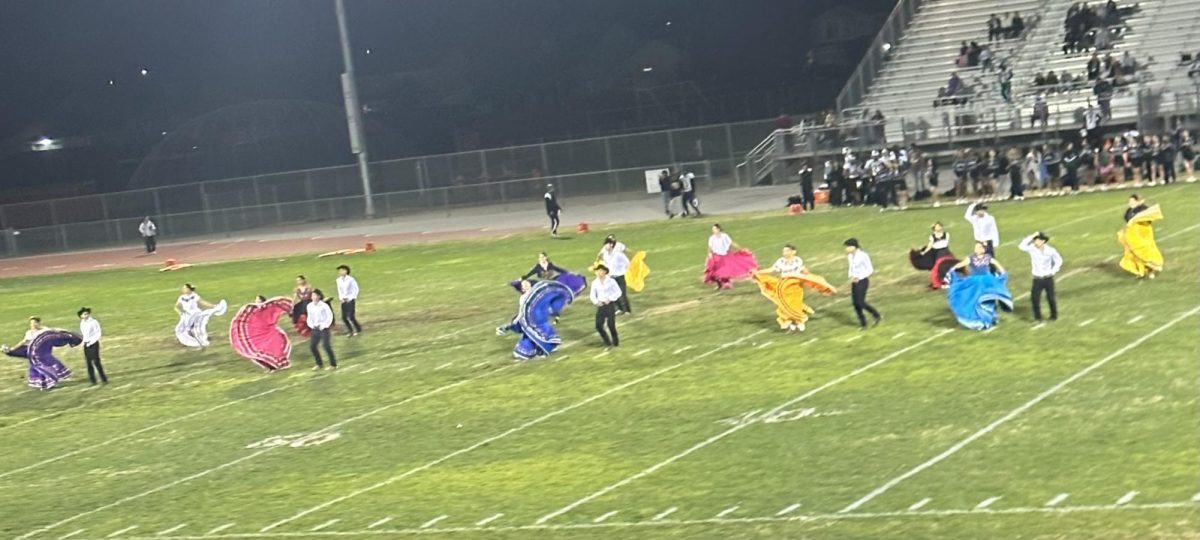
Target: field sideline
[{"x": 706, "y": 423}]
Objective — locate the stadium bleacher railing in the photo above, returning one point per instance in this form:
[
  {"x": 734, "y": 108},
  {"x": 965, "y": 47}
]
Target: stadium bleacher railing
[{"x": 872, "y": 63}]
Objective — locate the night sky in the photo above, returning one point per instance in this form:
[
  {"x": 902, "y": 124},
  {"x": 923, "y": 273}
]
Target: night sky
[{"x": 57, "y": 59}]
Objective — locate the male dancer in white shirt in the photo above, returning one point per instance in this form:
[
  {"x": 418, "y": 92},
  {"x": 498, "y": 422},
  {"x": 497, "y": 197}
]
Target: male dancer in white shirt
[
  {"x": 860, "y": 278},
  {"x": 606, "y": 294},
  {"x": 89, "y": 328},
  {"x": 1046, "y": 262},
  {"x": 320, "y": 318},
  {"x": 984, "y": 225},
  {"x": 347, "y": 288}
]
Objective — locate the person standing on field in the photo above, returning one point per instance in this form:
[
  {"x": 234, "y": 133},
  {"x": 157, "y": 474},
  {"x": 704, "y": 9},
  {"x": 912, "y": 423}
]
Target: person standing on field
[
  {"x": 149, "y": 232},
  {"x": 347, "y": 288},
  {"x": 1046, "y": 262},
  {"x": 552, "y": 209},
  {"x": 89, "y": 328}
]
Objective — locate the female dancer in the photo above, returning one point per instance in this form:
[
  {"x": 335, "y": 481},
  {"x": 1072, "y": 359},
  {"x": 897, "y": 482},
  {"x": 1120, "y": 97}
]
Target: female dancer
[
  {"x": 45, "y": 371},
  {"x": 935, "y": 257},
  {"x": 194, "y": 312},
  {"x": 726, "y": 261},
  {"x": 546, "y": 269},
  {"x": 1188, "y": 153},
  {"x": 256, "y": 336},
  {"x": 787, "y": 291},
  {"x": 1142, "y": 257},
  {"x": 537, "y": 310},
  {"x": 974, "y": 299}
]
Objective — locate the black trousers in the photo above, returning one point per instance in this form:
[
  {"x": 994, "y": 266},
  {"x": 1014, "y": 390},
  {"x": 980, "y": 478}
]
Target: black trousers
[
  {"x": 1016, "y": 186},
  {"x": 606, "y": 316},
  {"x": 151, "y": 244},
  {"x": 858, "y": 294},
  {"x": 348, "y": 317},
  {"x": 319, "y": 338},
  {"x": 1043, "y": 284},
  {"x": 623, "y": 302},
  {"x": 92, "y": 354},
  {"x": 689, "y": 201},
  {"x": 806, "y": 192},
  {"x": 553, "y": 222},
  {"x": 988, "y": 247}
]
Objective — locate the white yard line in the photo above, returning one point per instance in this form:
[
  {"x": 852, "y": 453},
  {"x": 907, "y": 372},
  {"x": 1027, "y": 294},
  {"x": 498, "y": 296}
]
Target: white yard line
[
  {"x": 854, "y": 338},
  {"x": 379, "y": 522},
  {"x": 728, "y": 511},
  {"x": 701, "y": 445},
  {"x": 489, "y": 519},
  {"x": 248, "y": 457},
  {"x": 135, "y": 433},
  {"x": 443, "y": 366},
  {"x": 900, "y": 335},
  {"x": 683, "y": 349},
  {"x": 1058, "y": 499},
  {"x": 765, "y": 345},
  {"x": 788, "y": 509},
  {"x": 919, "y": 504},
  {"x": 641, "y": 352},
  {"x": 723, "y": 521},
  {"x": 117, "y": 533},
  {"x": 1015, "y": 412},
  {"x": 511, "y": 431},
  {"x": 433, "y": 521},
  {"x": 219, "y": 528},
  {"x": 1135, "y": 319},
  {"x": 1087, "y": 322},
  {"x": 663, "y": 515},
  {"x": 604, "y": 517},
  {"x": 171, "y": 530},
  {"x": 1127, "y": 498},
  {"x": 984, "y": 504},
  {"x": 325, "y": 525}
]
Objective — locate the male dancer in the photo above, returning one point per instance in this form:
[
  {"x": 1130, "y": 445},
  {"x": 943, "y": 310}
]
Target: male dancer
[
  {"x": 1046, "y": 262},
  {"x": 860, "y": 278},
  {"x": 606, "y": 294},
  {"x": 552, "y": 209},
  {"x": 89, "y": 328},
  {"x": 347, "y": 288},
  {"x": 320, "y": 318},
  {"x": 616, "y": 264},
  {"x": 984, "y": 225}
]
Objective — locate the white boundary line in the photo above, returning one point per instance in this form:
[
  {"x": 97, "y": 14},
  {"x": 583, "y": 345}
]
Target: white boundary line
[
  {"x": 248, "y": 457},
  {"x": 504, "y": 434},
  {"x": 1015, "y": 412},
  {"x": 653, "y": 468},
  {"x": 795, "y": 518}
]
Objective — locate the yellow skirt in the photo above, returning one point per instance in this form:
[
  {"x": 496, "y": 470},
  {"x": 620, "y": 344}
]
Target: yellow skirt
[
  {"x": 788, "y": 295},
  {"x": 1141, "y": 251},
  {"x": 635, "y": 276}
]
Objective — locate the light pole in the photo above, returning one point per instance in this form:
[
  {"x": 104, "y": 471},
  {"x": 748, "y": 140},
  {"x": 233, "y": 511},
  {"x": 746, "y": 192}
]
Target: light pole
[{"x": 358, "y": 141}]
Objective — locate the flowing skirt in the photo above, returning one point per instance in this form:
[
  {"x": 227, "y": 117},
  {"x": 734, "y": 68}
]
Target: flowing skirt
[
  {"x": 937, "y": 274},
  {"x": 256, "y": 335},
  {"x": 635, "y": 277},
  {"x": 192, "y": 330},
  {"x": 46, "y": 371},
  {"x": 788, "y": 295},
  {"x": 1137, "y": 238},
  {"x": 734, "y": 265},
  {"x": 535, "y": 319},
  {"x": 976, "y": 300}
]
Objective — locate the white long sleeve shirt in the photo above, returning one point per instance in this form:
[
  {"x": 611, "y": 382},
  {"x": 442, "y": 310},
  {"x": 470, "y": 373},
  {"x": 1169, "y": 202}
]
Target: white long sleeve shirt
[
  {"x": 1046, "y": 261},
  {"x": 347, "y": 288},
  {"x": 860, "y": 265},
  {"x": 985, "y": 227},
  {"x": 719, "y": 244},
  {"x": 320, "y": 316},
  {"x": 90, "y": 329},
  {"x": 605, "y": 291},
  {"x": 147, "y": 228},
  {"x": 786, "y": 268},
  {"x": 616, "y": 261}
]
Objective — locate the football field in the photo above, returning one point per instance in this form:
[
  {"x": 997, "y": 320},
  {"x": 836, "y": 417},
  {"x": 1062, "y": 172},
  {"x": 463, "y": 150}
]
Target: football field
[{"x": 707, "y": 421}]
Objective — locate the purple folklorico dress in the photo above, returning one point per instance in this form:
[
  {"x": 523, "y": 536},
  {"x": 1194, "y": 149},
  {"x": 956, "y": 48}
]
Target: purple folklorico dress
[{"x": 45, "y": 371}]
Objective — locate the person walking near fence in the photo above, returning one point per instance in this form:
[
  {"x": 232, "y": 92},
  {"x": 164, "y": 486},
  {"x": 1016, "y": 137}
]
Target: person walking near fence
[
  {"x": 89, "y": 328},
  {"x": 664, "y": 186},
  {"x": 347, "y": 288},
  {"x": 149, "y": 232},
  {"x": 688, "y": 180},
  {"x": 552, "y": 209}
]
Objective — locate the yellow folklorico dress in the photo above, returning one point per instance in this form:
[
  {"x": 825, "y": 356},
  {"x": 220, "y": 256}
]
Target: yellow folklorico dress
[
  {"x": 787, "y": 291},
  {"x": 1137, "y": 237}
]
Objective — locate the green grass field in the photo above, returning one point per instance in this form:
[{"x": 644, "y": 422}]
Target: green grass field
[{"x": 707, "y": 422}]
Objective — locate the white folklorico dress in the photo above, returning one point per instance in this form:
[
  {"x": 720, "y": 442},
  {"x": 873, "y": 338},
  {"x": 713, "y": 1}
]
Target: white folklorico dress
[{"x": 192, "y": 330}]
